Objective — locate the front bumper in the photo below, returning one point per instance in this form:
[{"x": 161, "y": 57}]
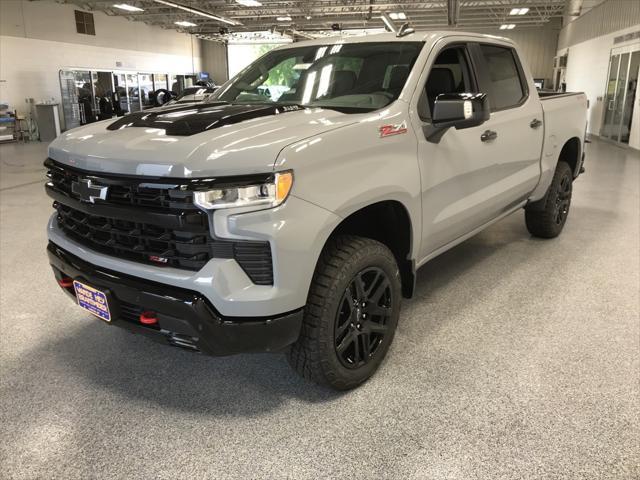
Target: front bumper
[
  {"x": 296, "y": 230},
  {"x": 185, "y": 317}
]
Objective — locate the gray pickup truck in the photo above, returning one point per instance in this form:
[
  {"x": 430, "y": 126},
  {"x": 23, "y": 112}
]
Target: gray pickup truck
[{"x": 296, "y": 222}]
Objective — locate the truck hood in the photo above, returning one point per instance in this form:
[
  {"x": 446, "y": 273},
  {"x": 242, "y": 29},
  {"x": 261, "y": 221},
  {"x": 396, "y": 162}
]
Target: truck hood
[{"x": 194, "y": 141}]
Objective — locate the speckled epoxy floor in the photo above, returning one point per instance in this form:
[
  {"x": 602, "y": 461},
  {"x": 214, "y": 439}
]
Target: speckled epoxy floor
[{"x": 518, "y": 358}]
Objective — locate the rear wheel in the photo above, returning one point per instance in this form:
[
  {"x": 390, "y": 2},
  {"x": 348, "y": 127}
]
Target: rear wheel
[
  {"x": 546, "y": 218},
  {"x": 351, "y": 313}
]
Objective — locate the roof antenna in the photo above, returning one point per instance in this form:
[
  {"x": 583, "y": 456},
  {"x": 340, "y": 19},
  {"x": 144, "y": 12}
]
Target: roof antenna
[{"x": 405, "y": 29}]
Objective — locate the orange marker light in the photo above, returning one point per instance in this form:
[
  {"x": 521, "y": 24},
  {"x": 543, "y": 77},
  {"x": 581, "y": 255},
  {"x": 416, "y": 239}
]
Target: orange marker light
[{"x": 284, "y": 182}]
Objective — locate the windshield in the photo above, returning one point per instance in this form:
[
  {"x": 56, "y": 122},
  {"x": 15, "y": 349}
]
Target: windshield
[{"x": 352, "y": 77}]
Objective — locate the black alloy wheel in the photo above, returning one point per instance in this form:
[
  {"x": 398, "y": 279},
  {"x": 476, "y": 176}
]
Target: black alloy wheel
[
  {"x": 563, "y": 199},
  {"x": 351, "y": 314},
  {"x": 362, "y": 318},
  {"x": 546, "y": 217}
]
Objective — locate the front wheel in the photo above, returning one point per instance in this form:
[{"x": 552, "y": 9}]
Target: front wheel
[
  {"x": 351, "y": 313},
  {"x": 546, "y": 218}
]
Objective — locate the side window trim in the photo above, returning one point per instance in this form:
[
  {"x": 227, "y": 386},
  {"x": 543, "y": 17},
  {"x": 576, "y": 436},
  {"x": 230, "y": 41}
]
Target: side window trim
[
  {"x": 485, "y": 79},
  {"x": 471, "y": 68}
]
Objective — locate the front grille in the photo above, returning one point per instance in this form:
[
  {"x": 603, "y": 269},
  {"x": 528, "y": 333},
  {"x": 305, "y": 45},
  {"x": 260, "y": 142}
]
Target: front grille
[
  {"x": 138, "y": 241},
  {"x": 127, "y": 191},
  {"x": 147, "y": 221}
]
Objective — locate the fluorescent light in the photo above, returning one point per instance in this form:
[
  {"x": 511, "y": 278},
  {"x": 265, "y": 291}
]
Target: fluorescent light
[
  {"x": 183, "y": 23},
  {"x": 128, "y": 8},
  {"x": 519, "y": 11},
  {"x": 398, "y": 16},
  {"x": 509, "y": 26},
  {"x": 524, "y": 11},
  {"x": 284, "y": 19},
  {"x": 249, "y": 3},
  {"x": 195, "y": 11},
  {"x": 308, "y": 17}
]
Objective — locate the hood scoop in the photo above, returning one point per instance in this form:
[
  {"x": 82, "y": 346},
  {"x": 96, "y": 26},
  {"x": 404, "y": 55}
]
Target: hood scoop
[{"x": 189, "y": 120}]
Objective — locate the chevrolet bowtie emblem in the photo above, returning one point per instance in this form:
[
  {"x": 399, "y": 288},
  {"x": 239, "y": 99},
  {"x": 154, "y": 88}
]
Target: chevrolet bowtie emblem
[{"x": 87, "y": 191}]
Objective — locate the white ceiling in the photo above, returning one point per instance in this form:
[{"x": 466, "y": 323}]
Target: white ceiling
[{"x": 314, "y": 16}]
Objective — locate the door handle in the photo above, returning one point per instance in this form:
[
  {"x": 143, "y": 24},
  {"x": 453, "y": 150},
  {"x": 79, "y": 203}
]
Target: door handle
[
  {"x": 535, "y": 123},
  {"x": 488, "y": 135}
]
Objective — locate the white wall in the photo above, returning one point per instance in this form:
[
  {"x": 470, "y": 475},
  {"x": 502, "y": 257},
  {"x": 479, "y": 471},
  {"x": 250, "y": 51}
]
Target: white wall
[
  {"x": 37, "y": 39},
  {"x": 214, "y": 60},
  {"x": 587, "y": 70}
]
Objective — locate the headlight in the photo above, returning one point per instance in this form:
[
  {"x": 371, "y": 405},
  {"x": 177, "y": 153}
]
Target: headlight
[{"x": 268, "y": 194}]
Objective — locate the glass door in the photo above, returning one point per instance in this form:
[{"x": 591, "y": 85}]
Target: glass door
[
  {"x": 120, "y": 97},
  {"x": 620, "y": 96},
  {"x": 630, "y": 97},
  {"x": 85, "y": 96},
  {"x": 103, "y": 89},
  {"x": 146, "y": 89},
  {"x": 133, "y": 89}
]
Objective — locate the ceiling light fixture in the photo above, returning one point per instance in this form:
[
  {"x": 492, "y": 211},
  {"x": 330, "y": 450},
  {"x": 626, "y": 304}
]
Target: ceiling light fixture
[
  {"x": 286, "y": 18},
  {"x": 519, "y": 11},
  {"x": 128, "y": 8},
  {"x": 184, "y": 23},
  {"x": 249, "y": 3},
  {"x": 398, "y": 16},
  {"x": 195, "y": 11},
  {"x": 509, "y": 26}
]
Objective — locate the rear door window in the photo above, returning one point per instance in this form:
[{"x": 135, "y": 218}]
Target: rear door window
[{"x": 506, "y": 88}]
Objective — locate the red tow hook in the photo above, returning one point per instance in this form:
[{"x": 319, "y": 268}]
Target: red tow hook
[
  {"x": 66, "y": 282},
  {"x": 148, "y": 318}
]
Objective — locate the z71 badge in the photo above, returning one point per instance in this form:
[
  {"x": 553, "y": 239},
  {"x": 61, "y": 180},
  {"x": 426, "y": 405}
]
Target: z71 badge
[{"x": 390, "y": 130}]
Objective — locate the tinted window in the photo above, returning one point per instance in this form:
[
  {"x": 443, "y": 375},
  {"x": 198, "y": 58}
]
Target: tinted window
[{"x": 506, "y": 87}]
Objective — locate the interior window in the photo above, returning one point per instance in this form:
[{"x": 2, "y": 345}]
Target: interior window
[
  {"x": 506, "y": 86},
  {"x": 450, "y": 73}
]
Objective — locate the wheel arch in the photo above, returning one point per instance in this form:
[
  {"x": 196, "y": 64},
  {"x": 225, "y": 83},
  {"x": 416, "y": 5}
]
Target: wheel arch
[
  {"x": 571, "y": 153},
  {"x": 389, "y": 222}
]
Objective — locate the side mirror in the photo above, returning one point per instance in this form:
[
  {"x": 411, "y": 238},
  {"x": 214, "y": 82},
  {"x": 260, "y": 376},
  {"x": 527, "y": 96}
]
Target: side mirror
[{"x": 457, "y": 110}]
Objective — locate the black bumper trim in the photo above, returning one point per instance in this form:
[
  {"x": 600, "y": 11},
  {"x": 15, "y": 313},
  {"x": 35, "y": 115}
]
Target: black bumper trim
[{"x": 185, "y": 317}]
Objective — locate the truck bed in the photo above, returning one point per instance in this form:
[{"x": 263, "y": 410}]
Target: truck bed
[{"x": 564, "y": 119}]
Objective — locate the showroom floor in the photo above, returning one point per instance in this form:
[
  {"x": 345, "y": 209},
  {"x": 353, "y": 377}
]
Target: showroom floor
[{"x": 518, "y": 358}]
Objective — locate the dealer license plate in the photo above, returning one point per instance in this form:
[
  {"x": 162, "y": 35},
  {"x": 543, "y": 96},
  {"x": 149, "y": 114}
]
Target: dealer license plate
[{"x": 92, "y": 300}]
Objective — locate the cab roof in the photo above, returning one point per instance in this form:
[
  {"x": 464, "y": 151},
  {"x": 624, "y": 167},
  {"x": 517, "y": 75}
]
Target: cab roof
[{"x": 418, "y": 36}]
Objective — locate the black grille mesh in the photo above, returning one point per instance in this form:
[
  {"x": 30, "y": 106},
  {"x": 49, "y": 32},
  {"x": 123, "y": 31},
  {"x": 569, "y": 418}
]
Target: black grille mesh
[
  {"x": 128, "y": 192},
  {"x": 190, "y": 247}
]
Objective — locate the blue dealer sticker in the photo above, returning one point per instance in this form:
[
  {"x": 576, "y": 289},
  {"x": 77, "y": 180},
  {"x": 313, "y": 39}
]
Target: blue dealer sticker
[{"x": 92, "y": 300}]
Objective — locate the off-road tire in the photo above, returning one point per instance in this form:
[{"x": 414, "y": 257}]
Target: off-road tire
[
  {"x": 546, "y": 218},
  {"x": 315, "y": 355}
]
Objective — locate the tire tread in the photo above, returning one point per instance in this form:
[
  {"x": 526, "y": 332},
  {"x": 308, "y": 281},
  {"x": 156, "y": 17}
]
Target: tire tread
[{"x": 305, "y": 356}]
